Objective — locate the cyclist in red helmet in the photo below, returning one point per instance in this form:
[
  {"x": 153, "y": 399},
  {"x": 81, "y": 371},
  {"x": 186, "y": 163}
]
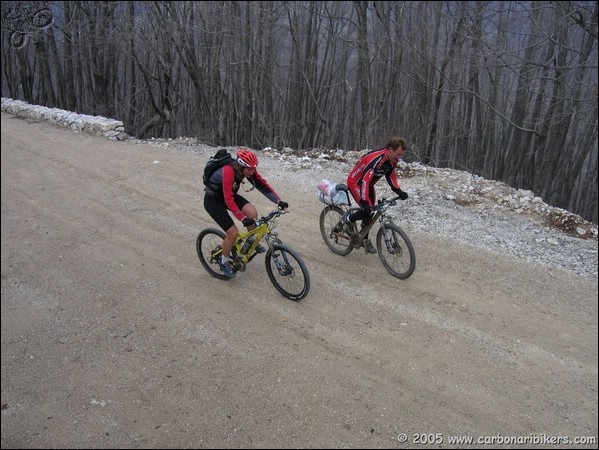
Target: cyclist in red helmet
[{"x": 221, "y": 197}]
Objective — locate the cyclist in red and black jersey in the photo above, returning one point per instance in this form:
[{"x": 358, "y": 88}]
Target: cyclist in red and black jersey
[
  {"x": 366, "y": 173},
  {"x": 221, "y": 197}
]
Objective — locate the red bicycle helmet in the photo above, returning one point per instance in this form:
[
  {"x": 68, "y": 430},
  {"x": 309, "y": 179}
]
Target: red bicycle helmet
[{"x": 246, "y": 158}]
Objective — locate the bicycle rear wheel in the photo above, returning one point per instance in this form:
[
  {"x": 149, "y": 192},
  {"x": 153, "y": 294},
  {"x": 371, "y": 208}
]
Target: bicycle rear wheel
[
  {"x": 287, "y": 272},
  {"x": 331, "y": 228},
  {"x": 396, "y": 251},
  {"x": 208, "y": 243}
]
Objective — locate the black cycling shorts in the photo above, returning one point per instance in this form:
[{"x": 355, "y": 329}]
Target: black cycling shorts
[{"x": 217, "y": 208}]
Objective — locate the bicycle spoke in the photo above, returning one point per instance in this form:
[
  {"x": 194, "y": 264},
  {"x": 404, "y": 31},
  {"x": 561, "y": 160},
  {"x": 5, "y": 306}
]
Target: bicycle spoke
[
  {"x": 333, "y": 232},
  {"x": 208, "y": 247},
  {"x": 396, "y": 251},
  {"x": 287, "y": 272}
]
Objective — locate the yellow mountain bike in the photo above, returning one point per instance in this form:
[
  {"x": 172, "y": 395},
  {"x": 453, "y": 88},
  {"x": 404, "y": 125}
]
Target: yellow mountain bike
[
  {"x": 393, "y": 245},
  {"x": 284, "y": 266}
]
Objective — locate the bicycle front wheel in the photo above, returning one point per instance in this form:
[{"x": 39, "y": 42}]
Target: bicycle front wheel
[
  {"x": 331, "y": 228},
  {"x": 287, "y": 272},
  {"x": 396, "y": 251},
  {"x": 209, "y": 248}
]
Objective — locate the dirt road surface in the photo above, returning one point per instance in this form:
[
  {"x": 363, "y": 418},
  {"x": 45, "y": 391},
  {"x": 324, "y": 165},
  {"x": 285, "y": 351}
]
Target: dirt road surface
[{"x": 114, "y": 336}]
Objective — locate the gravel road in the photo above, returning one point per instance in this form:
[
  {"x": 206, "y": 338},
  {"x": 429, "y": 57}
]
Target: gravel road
[{"x": 113, "y": 335}]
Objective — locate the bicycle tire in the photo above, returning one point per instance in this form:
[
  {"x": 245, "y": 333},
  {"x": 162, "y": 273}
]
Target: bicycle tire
[
  {"x": 400, "y": 258},
  {"x": 208, "y": 240},
  {"x": 331, "y": 228},
  {"x": 287, "y": 272}
]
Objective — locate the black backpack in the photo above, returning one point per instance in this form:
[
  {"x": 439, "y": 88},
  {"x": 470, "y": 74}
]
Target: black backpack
[{"x": 221, "y": 158}]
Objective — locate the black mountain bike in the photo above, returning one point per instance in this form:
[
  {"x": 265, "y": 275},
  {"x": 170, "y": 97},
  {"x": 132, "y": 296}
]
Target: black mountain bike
[{"x": 392, "y": 243}]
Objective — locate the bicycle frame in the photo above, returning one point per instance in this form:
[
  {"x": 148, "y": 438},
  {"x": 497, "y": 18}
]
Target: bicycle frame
[
  {"x": 380, "y": 216},
  {"x": 259, "y": 233},
  {"x": 263, "y": 230}
]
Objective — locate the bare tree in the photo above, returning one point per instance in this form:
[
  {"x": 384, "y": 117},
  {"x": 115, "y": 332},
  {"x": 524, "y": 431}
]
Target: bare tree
[{"x": 506, "y": 90}]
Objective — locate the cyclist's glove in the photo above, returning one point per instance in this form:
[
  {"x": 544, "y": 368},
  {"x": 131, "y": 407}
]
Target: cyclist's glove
[
  {"x": 282, "y": 204},
  {"x": 247, "y": 222},
  {"x": 403, "y": 195}
]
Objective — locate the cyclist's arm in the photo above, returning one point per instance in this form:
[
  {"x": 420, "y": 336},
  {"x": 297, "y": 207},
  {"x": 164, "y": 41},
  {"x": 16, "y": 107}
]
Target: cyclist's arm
[
  {"x": 265, "y": 188},
  {"x": 229, "y": 193},
  {"x": 365, "y": 188},
  {"x": 392, "y": 180}
]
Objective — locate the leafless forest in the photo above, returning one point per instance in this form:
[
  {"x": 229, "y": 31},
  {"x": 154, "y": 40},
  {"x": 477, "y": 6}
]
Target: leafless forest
[{"x": 505, "y": 90}]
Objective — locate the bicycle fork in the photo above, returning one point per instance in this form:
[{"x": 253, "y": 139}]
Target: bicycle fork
[
  {"x": 391, "y": 242},
  {"x": 281, "y": 261}
]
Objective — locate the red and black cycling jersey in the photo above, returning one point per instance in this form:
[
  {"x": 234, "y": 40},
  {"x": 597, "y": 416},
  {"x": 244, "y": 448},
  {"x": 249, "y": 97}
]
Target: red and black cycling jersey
[
  {"x": 226, "y": 181},
  {"x": 367, "y": 172}
]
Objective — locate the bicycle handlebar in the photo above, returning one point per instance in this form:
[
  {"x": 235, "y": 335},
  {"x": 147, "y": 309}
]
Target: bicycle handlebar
[
  {"x": 271, "y": 215},
  {"x": 384, "y": 202}
]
